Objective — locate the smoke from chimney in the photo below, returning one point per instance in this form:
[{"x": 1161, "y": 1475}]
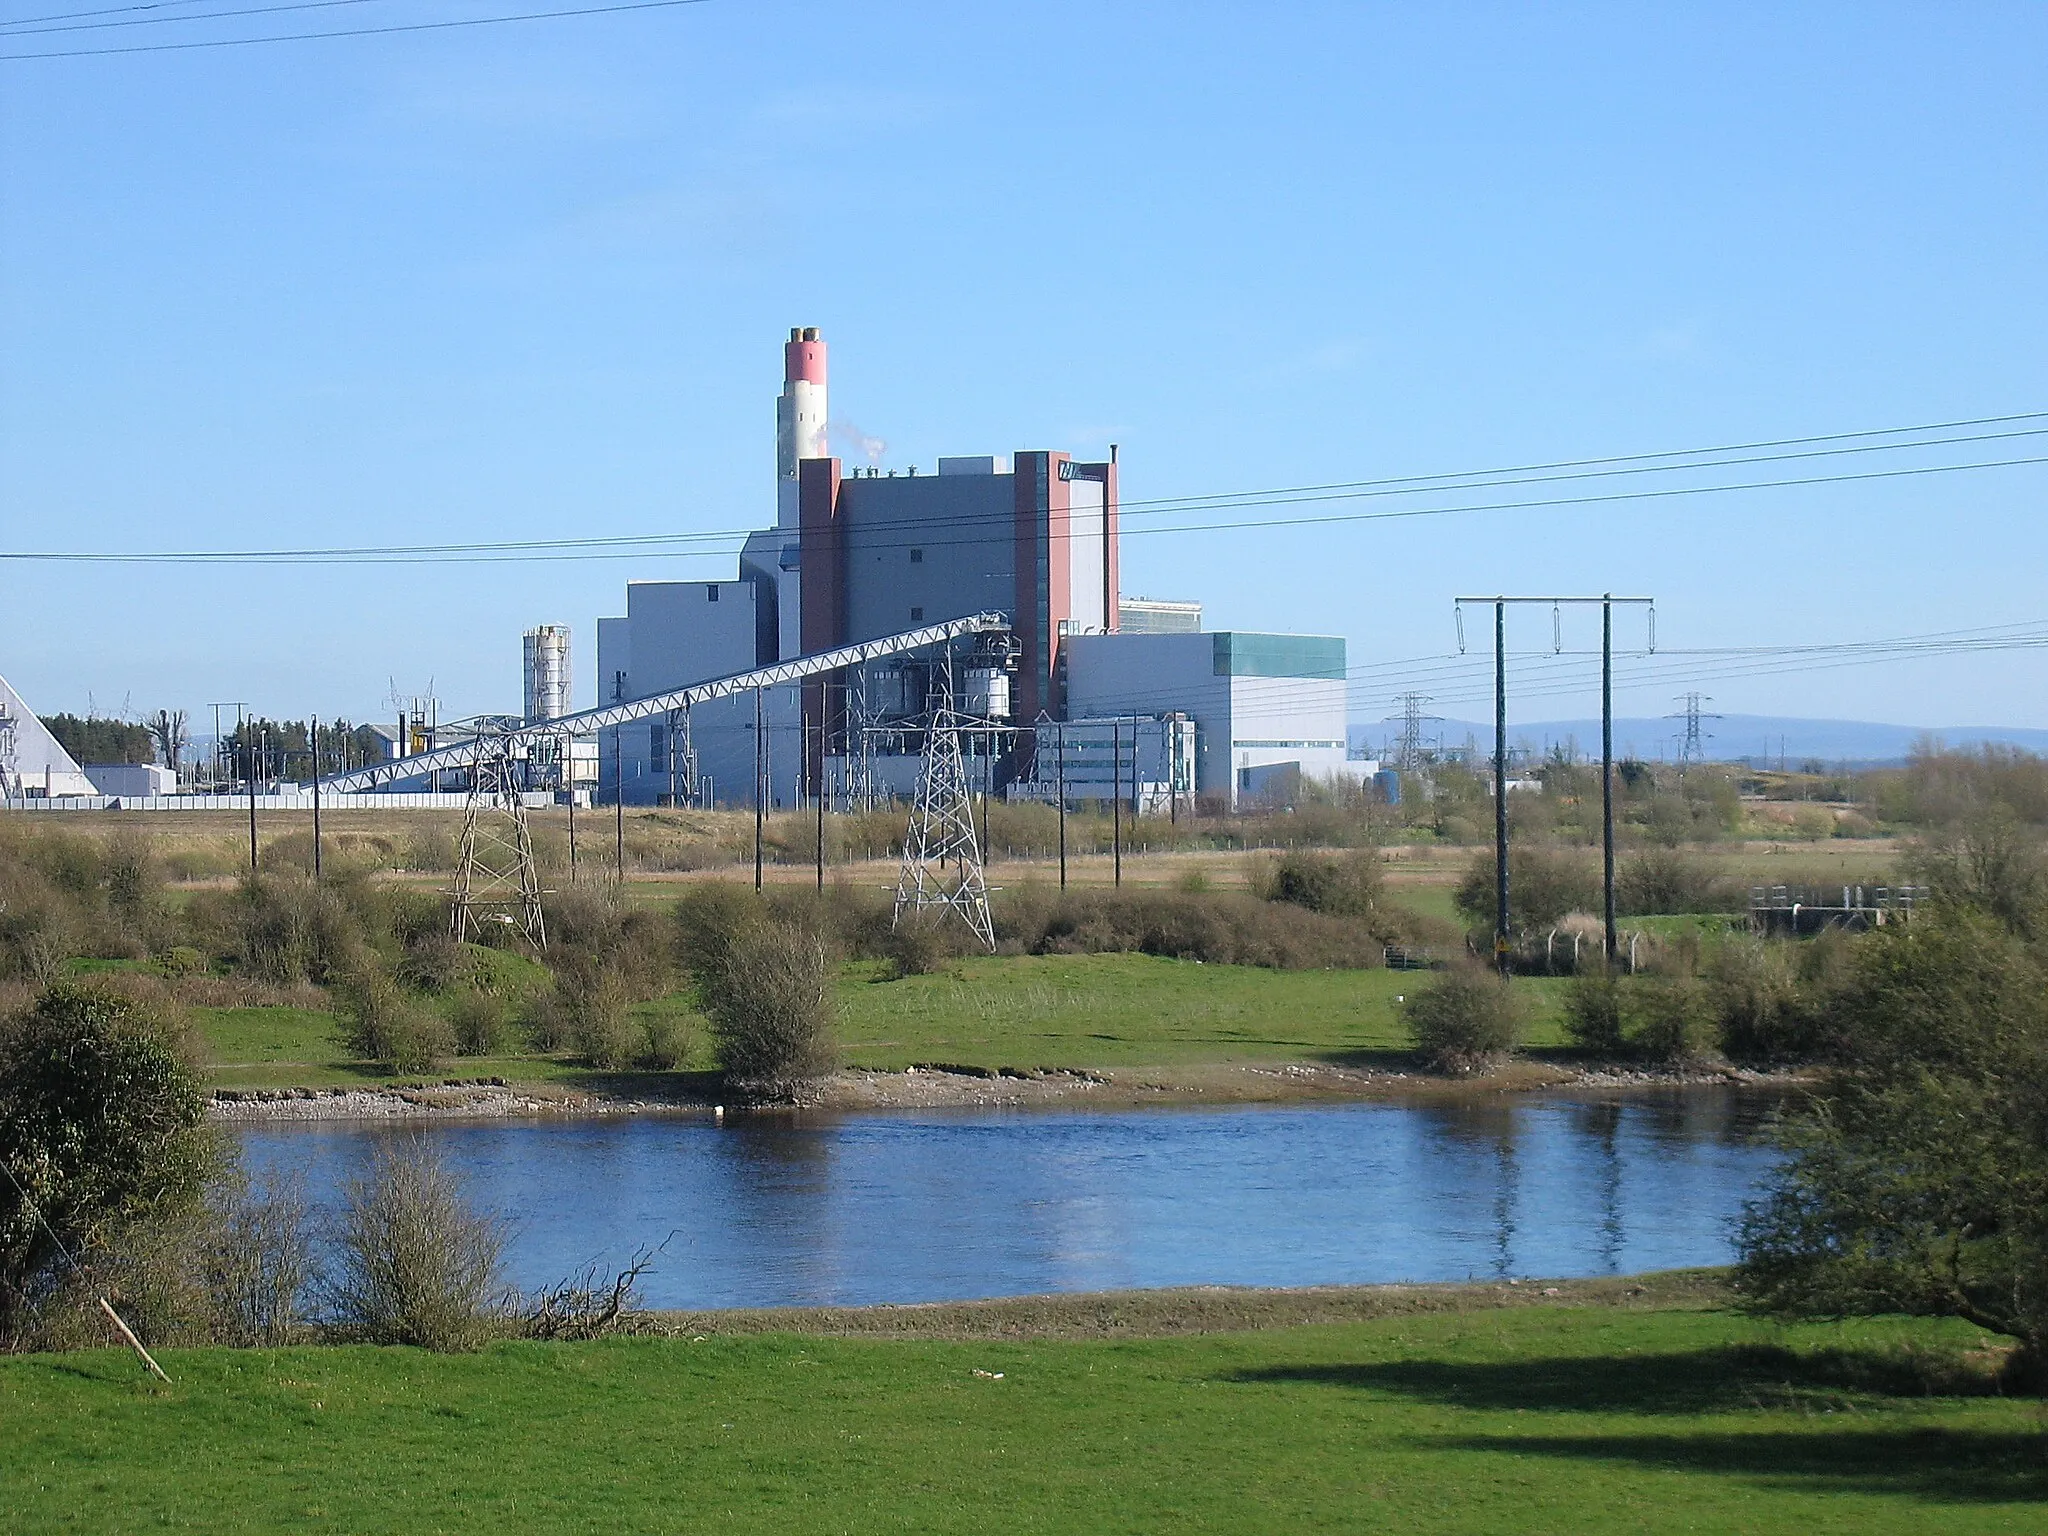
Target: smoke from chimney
[{"x": 858, "y": 442}]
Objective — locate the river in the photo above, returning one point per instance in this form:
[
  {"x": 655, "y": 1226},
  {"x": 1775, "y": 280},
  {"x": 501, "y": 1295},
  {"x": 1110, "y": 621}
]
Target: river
[{"x": 813, "y": 1209}]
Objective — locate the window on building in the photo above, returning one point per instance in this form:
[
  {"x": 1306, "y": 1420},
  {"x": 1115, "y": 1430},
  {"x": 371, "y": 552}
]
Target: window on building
[
  {"x": 917, "y": 615},
  {"x": 710, "y": 591},
  {"x": 917, "y": 557}
]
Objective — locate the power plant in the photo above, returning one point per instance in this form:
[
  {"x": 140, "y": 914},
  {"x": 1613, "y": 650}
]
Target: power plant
[{"x": 985, "y": 592}]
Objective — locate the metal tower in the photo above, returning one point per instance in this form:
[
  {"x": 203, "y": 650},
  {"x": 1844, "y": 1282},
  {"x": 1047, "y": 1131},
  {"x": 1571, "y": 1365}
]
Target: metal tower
[
  {"x": 1692, "y": 749},
  {"x": 1408, "y": 750},
  {"x": 942, "y": 828},
  {"x": 495, "y": 876}
]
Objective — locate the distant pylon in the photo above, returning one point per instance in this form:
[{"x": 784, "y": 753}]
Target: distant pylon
[
  {"x": 496, "y": 879},
  {"x": 1408, "y": 750},
  {"x": 1692, "y": 749},
  {"x": 941, "y": 829}
]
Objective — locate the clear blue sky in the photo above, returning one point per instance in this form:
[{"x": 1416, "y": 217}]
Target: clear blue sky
[{"x": 529, "y": 281}]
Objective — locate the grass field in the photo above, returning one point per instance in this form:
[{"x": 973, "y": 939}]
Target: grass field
[
  {"x": 1530, "y": 1419},
  {"x": 1088, "y": 1011}
]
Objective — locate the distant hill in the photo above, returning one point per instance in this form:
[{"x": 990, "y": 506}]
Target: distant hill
[{"x": 1748, "y": 738}]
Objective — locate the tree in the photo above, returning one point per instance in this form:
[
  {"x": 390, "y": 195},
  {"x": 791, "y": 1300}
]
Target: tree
[
  {"x": 101, "y": 1127},
  {"x": 1463, "y": 1021},
  {"x": 1917, "y": 1179},
  {"x": 167, "y": 729}
]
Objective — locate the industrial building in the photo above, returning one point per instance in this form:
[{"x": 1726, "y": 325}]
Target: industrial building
[{"x": 1157, "y": 709}]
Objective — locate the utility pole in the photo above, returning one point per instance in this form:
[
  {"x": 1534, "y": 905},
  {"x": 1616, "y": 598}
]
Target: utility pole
[
  {"x": 1606, "y": 600},
  {"x": 1116, "y": 801},
  {"x": 1500, "y": 786},
  {"x": 1610, "y": 934},
  {"x": 760, "y": 786},
  {"x": 250, "y": 747},
  {"x": 821, "y": 807},
  {"x": 569, "y": 771},
  {"x": 1060, "y": 738},
  {"x": 619, "y": 806},
  {"x": 315, "y": 742}
]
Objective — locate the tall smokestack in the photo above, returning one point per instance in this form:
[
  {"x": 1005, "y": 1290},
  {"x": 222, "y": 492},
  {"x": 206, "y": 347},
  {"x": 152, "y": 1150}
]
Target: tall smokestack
[{"x": 800, "y": 416}]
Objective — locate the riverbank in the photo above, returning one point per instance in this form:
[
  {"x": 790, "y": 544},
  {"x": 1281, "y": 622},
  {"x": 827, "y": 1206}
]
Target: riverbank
[
  {"x": 1643, "y": 1405},
  {"x": 944, "y": 1086}
]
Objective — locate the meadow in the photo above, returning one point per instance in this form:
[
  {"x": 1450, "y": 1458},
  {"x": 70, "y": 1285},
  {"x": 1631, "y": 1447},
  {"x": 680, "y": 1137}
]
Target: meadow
[{"x": 1595, "y": 1407}]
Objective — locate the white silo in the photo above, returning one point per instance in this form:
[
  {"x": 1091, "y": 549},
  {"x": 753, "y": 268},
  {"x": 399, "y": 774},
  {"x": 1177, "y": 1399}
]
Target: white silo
[{"x": 547, "y": 672}]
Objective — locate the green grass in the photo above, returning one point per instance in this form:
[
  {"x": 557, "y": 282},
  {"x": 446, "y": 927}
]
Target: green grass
[
  {"x": 1082, "y": 1011},
  {"x": 1531, "y": 1420},
  {"x": 1135, "y": 1010}
]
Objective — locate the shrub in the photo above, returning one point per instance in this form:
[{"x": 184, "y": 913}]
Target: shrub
[
  {"x": 258, "y": 1261},
  {"x": 1543, "y": 885},
  {"x": 769, "y": 1000},
  {"x": 923, "y": 942},
  {"x": 289, "y": 930},
  {"x": 384, "y": 1023},
  {"x": 1464, "y": 1021},
  {"x": 413, "y": 1263},
  {"x": 480, "y": 1020},
  {"x": 101, "y": 1125},
  {"x": 1661, "y": 880},
  {"x": 1592, "y": 1013},
  {"x": 1760, "y": 1012},
  {"x": 599, "y": 1025},
  {"x": 1346, "y": 885},
  {"x": 666, "y": 1040},
  {"x": 1669, "y": 1020}
]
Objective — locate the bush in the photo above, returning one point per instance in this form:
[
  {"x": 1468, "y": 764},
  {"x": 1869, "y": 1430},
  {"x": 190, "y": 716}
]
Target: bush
[
  {"x": 596, "y": 1003},
  {"x": 413, "y": 1263},
  {"x": 101, "y": 1127},
  {"x": 384, "y": 1023},
  {"x": 923, "y": 942},
  {"x": 666, "y": 1040},
  {"x": 1543, "y": 885},
  {"x": 1464, "y": 1021},
  {"x": 1592, "y": 1014},
  {"x": 1662, "y": 880},
  {"x": 1669, "y": 1020},
  {"x": 772, "y": 1012},
  {"x": 1346, "y": 885},
  {"x": 258, "y": 1260},
  {"x": 481, "y": 1020}
]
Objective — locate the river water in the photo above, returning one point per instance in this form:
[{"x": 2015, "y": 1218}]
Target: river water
[{"x": 810, "y": 1209}]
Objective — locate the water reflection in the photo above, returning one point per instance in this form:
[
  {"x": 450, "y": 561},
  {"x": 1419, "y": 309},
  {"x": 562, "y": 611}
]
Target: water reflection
[{"x": 771, "y": 1209}]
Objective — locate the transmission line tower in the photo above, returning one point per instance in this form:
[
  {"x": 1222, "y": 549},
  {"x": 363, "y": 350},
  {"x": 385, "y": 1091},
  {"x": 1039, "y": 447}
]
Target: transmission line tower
[
  {"x": 1408, "y": 750},
  {"x": 942, "y": 829},
  {"x": 496, "y": 879},
  {"x": 1692, "y": 750}
]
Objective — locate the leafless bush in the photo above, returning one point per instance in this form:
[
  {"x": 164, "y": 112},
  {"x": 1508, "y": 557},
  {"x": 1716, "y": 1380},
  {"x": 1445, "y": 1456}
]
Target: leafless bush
[
  {"x": 588, "y": 1304},
  {"x": 481, "y": 1021},
  {"x": 413, "y": 1262},
  {"x": 259, "y": 1260}
]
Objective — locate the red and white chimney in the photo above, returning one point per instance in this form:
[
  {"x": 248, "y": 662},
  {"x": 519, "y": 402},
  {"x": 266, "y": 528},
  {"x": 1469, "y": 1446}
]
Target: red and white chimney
[{"x": 800, "y": 416}]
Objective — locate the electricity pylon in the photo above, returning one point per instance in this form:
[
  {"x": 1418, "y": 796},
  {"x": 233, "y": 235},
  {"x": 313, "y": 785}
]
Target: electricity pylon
[
  {"x": 496, "y": 879},
  {"x": 941, "y": 829},
  {"x": 1693, "y": 748}
]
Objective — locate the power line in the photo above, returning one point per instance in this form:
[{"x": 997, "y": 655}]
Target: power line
[
  {"x": 25, "y": 29},
  {"x": 648, "y": 545},
  {"x": 113, "y": 10},
  {"x": 305, "y": 37}
]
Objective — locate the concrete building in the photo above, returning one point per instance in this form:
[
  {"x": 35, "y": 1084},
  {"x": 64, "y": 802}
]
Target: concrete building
[{"x": 1268, "y": 710}]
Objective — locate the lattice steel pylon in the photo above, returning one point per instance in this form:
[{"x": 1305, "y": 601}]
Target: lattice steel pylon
[
  {"x": 496, "y": 879},
  {"x": 941, "y": 829}
]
